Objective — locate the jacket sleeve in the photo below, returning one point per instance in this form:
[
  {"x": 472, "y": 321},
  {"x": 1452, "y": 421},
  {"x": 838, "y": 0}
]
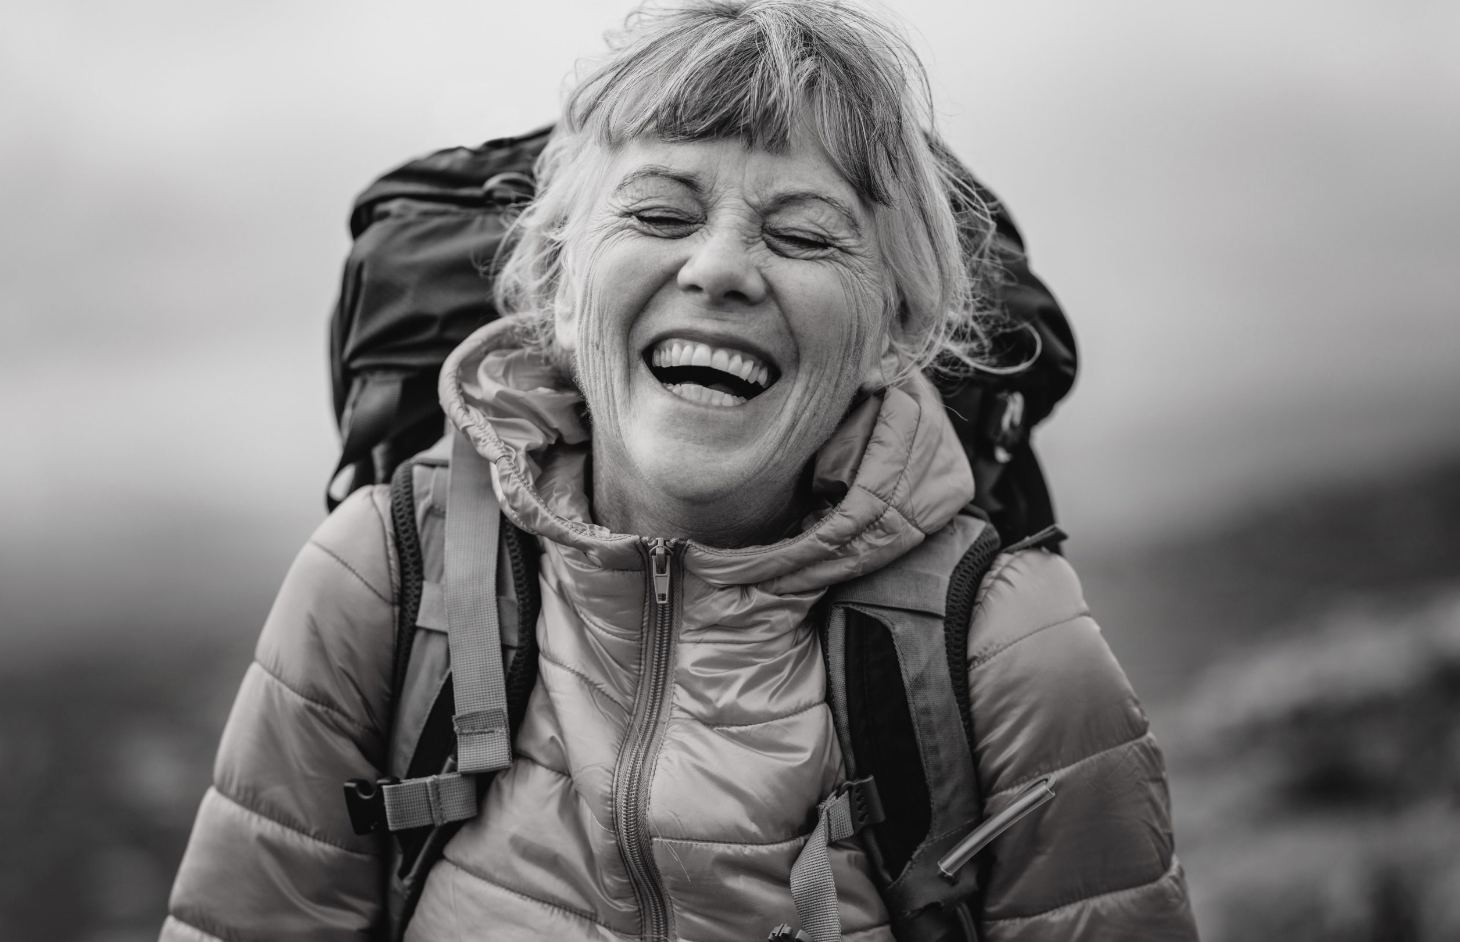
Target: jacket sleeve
[
  {"x": 272, "y": 855},
  {"x": 1097, "y": 862}
]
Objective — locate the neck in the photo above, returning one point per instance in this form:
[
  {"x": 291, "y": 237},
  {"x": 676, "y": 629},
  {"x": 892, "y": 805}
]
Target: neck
[{"x": 630, "y": 504}]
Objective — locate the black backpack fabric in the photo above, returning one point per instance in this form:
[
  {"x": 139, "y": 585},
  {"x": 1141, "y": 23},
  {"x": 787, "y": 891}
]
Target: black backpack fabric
[{"x": 418, "y": 281}]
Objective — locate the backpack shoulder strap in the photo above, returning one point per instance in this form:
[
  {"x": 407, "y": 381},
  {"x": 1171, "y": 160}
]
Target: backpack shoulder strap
[
  {"x": 427, "y": 796},
  {"x": 423, "y": 734},
  {"x": 482, "y": 742},
  {"x": 895, "y": 642},
  {"x": 473, "y": 527},
  {"x": 422, "y": 659}
]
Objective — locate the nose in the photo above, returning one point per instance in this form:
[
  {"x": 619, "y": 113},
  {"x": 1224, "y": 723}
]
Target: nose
[{"x": 723, "y": 269}]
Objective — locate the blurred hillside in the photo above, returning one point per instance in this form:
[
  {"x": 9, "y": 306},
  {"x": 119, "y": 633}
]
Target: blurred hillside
[
  {"x": 1301, "y": 668},
  {"x": 1317, "y": 778},
  {"x": 1172, "y": 606}
]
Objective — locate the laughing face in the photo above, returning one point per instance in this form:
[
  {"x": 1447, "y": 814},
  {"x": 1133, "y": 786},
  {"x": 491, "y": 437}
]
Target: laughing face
[{"x": 732, "y": 302}]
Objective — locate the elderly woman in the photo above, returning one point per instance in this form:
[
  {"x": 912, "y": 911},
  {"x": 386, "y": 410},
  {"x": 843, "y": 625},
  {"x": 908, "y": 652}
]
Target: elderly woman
[{"x": 709, "y": 408}]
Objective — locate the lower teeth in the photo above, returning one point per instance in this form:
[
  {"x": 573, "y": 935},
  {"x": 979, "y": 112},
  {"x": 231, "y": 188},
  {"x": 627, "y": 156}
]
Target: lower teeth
[{"x": 704, "y": 395}]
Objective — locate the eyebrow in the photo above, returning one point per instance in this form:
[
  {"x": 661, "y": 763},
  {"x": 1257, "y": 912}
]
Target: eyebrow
[
  {"x": 685, "y": 180},
  {"x": 804, "y": 196}
]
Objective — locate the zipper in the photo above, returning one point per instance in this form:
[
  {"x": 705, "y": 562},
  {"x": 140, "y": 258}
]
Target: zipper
[{"x": 641, "y": 746}]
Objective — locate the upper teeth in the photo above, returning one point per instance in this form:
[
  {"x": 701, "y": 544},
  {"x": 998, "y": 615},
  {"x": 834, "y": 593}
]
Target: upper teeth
[{"x": 689, "y": 353}]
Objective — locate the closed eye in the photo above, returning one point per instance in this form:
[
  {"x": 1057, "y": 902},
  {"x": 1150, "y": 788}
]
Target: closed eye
[
  {"x": 662, "y": 222},
  {"x": 800, "y": 242}
]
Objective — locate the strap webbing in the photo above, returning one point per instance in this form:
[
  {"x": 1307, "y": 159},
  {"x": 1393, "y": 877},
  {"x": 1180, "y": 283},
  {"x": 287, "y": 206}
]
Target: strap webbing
[
  {"x": 813, "y": 888},
  {"x": 433, "y": 800},
  {"x": 473, "y": 524}
]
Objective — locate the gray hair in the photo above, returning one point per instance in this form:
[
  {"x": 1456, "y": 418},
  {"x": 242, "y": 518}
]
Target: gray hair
[{"x": 757, "y": 70}]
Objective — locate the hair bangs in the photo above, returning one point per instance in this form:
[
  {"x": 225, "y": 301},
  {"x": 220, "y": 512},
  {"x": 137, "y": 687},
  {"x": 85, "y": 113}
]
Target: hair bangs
[{"x": 760, "y": 76}]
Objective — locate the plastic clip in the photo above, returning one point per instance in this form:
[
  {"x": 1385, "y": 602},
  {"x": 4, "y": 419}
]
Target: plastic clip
[
  {"x": 864, "y": 802},
  {"x": 365, "y": 801}
]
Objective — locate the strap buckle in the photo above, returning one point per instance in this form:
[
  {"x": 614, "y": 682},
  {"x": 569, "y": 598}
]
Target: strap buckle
[
  {"x": 365, "y": 801},
  {"x": 846, "y": 811},
  {"x": 864, "y": 802}
]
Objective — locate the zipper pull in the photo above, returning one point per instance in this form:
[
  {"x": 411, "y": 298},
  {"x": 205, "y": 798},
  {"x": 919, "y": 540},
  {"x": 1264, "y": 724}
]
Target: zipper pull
[
  {"x": 1036, "y": 794},
  {"x": 659, "y": 561}
]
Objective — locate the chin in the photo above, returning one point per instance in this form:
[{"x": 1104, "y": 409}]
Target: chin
[{"x": 693, "y": 472}]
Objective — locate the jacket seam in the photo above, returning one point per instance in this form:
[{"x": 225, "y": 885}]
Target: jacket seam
[
  {"x": 329, "y": 708},
  {"x": 249, "y": 809},
  {"x": 846, "y": 934},
  {"x": 901, "y": 475},
  {"x": 983, "y": 659},
  {"x": 886, "y": 502},
  {"x": 589, "y": 681},
  {"x": 1001, "y": 562},
  {"x": 1091, "y": 757},
  {"x": 1167, "y": 872},
  {"x": 887, "y": 508},
  {"x": 709, "y": 843},
  {"x": 476, "y": 875},
  {"x": 543, "y": 765},
  {"x": 207, "y": 932},
  {"x": 351, "y": 570},
  {"x": 774, "y": 719},
  {"x": 387, "y": 536}
]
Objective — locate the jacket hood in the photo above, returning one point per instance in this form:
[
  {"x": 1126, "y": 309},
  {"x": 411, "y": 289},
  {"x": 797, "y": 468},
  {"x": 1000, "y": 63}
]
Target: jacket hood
[{"x": 893, "y": 472}]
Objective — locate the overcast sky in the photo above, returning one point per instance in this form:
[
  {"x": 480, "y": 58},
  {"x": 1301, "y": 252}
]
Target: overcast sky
[{"x": 1250, "y": 210}]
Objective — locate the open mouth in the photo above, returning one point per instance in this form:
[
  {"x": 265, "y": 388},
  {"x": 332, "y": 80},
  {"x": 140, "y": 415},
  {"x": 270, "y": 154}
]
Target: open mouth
[{"x": 712, "y": 376}]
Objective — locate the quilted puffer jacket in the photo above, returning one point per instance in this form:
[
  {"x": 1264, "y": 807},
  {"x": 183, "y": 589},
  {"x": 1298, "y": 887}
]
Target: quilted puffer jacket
[{"x": 666, "y": 776}]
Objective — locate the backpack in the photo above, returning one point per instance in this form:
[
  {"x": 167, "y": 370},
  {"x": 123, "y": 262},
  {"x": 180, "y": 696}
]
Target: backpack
[{"x": 415, "y": 285}]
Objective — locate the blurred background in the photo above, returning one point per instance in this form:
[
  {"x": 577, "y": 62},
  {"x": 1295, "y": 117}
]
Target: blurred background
[{"x": 1250, "y": 211}]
